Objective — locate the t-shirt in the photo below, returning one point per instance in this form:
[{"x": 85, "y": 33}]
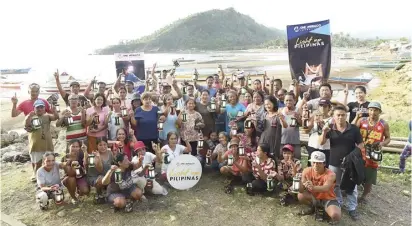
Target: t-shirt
[
  {"x": 102, "y": 117},
  {"x": 40, "y": 140},
  {"x": 212, "y": 91},
  {"x": 127, "y": 182},
  {"x": 147, "y": 159},
  {"x": 48, "y": 178},
  {"x": 207, "y": 117},
  {"x": 354, "y": 107},
  {"x": 319, "y": 180},
  {"x": 146, "y": 124},
  {"x": 113, "y": 127},
  {"x": 93, "y": 173},
  {"x": 231, "y": 114},
  {"x": 172, "y": 154},
  {"x": 169, "y": 125},
  {"x": 290, "y": 135},
  {"x": 341, "y": 144},
  {"x": 76, "y": 130},
  {"x": 27, "y": 106}
]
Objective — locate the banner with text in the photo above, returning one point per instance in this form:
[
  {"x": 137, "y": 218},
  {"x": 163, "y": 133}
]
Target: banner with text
[
  {"x": 184, "y": 172},
  {"x": 309, "y": 49}
]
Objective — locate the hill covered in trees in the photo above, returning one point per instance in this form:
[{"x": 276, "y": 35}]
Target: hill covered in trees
[{"x": 211, "y": 30}]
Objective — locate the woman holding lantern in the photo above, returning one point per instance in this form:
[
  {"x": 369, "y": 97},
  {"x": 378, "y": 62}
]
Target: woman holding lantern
[
  {"x": 170, "y": 151},
  {"x": 96, "y": 121},
  {"x": 264, "y": 171},
  {"x": 124, "y": 143},
  {"x": 237, "y": 166},
  {"x": 40, "y": 139},
  {"x": 207, "y": 110},
  {"x": 248, "y": 139},
  {"x": 74, "y": 119},
  {"x": 220, "y": 149},
  {"x": 49, "y": 185},
  {"x": 234, "y": 111},
  {"x": 167, "y": 122},
  {"x": 190, "y": 123},
  {"x": 75, "y": 179},
  {"x": 121, "y": 190},
  {"x": 118, "y": 118},
  {"x": 97, "y": 164}
]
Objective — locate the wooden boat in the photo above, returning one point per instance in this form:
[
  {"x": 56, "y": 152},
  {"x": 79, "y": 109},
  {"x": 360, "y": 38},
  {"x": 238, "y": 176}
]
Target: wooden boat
[
  {"x": 15, "y": 71},
  {"x": 382, "y": 65},
  {"x": 349, "y": 81}
]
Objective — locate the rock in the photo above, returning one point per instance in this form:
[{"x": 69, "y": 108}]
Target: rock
[
  {"x": 3, "y": 131},
  {"x": 99, "y": 211},
  {"x": 172, "y": 218},
  {"x": 5, "y": 140},
  {"x": 76, "y": 210},
  {"x": 19, "y": 147},
  {"x": 13, "y": 135},
  {"x": 406, "y": 193},
  {"x": 9, "y": 156},
  {"x": 61, "y": 213}
]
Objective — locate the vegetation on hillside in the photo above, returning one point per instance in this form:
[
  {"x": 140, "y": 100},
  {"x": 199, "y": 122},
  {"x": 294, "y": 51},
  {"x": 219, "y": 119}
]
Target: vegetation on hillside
[{"x": 210, "y": 30}]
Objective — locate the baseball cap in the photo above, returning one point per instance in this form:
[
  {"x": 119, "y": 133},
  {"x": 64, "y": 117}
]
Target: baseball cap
[
  {"x": 38, "y": 103},
  {"x": 323, "y": 102},
  {"x": 74, "y": 83},
  {"x": 317, "y": 156},
  {"x": 139, "y": 145},
  {"x": 375, "y": 105},
  {"x": 233, "y": 142},
  {"x": 288, "y": 147}
]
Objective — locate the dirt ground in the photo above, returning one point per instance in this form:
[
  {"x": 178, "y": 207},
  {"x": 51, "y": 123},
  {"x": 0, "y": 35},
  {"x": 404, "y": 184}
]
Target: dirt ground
[{"x": 205, "y": 204}]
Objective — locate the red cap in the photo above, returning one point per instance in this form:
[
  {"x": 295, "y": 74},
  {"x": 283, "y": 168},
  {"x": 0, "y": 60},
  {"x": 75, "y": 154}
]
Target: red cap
[
  {"x": 139, "y": 145},
  {"x": 288, "y": 147}
]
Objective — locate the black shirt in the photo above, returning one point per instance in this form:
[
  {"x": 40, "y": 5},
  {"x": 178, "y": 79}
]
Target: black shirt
[
  {"x": 341, "y": 144},
  {"x": 354, "y": 107}
]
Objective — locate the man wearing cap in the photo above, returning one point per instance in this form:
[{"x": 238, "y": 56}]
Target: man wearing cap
[
  {"x": 374, "y": 131},
  {"x": 317, "y": 188},
  {"x": 325, "y": 91},
  {"x": 167, "y": 89},
  {"x": 27, "y": 106},
  {"x": 74, "y": 89},
  {"x": 344, "y": 138},
  {"x": 40, "y": 140},
  {"x": 209, "y": 86}
]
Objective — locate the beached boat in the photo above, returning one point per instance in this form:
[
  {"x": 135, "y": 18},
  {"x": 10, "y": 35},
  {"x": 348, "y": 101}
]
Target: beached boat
[
  {"x": 349, "y": 81},
  {"x": 15, "y": 71},
  {"x": 382, "y": 64}
]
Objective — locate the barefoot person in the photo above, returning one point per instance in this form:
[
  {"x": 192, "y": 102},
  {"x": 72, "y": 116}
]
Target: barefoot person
[
  {"x": 316, "y": 188},
  {"x": 121, "y": 189},
  {"x": 48, "y": 180},
  {"x": 374, "y": 131},
  {"x": 40, "y": 139}
]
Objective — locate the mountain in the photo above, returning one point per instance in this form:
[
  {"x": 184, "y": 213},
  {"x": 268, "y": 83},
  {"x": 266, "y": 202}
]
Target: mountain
[{"x": 211, "y": 30}]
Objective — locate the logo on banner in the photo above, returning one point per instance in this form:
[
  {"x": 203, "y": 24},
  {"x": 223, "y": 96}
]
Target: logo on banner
[
  {"x": 184, "y": 172},
  {"x": 128, "y": 56}
]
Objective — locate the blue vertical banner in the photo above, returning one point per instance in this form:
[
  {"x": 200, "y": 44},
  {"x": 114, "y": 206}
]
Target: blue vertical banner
[{"x": 309, "y": 49}]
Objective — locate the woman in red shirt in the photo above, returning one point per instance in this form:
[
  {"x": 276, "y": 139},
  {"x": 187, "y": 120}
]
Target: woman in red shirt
[{"x": 124, "y": 143}]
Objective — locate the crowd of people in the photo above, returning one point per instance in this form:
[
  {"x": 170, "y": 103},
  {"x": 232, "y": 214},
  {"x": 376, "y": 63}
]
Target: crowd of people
[{"x": 121, "y": 142}]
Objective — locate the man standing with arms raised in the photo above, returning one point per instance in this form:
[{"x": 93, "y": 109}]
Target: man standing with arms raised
[{"x": 344, "y": 137}]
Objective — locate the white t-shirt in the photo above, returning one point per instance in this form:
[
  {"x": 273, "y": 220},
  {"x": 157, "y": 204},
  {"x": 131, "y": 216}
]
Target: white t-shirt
[
  {"x": 314, "y": 140},
  {"x": 147, "y": 159},
  {"x": 172, "y": 154},
  {"x": 48, "y": 178}
]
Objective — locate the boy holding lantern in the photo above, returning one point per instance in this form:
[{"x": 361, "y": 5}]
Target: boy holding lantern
[{"x": 288, "y": 169}]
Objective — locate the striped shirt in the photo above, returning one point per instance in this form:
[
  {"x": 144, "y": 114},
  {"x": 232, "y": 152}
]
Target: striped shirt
[
  {"x": 268, "y": 167},
  {"x": 76, "y": 130}
]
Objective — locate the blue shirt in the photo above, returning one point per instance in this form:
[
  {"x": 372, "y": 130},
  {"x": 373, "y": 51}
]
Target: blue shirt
[
  {"x": 146, "y": 124},
  {"x": 231, "y": 114},
  {"x": 131, "y": 77},
  {"x": 212, "y": 91}
]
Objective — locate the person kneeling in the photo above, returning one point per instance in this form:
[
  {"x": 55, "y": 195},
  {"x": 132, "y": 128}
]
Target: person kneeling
[
  {"x": 121, "y": 189},
  {"x": 144, "y": 161},
  {"x": 316, "y": 188},
  {"x": 237, "y": 166},
  {"x": 288, "y": 168},
  {"x": 48, "y": 181},
  {"x": 264, "y": 173}
]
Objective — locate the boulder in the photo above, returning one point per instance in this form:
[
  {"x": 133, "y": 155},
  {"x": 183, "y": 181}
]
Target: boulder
[
  {"x": 18, "y": 147},
  {"x": 9, "y": 156}
]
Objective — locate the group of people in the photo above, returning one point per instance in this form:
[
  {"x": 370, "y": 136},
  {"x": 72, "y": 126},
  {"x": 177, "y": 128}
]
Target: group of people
[{"x": 121, "y": 142}]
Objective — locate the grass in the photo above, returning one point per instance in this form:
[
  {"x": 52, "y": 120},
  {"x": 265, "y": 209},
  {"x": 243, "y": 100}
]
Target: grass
[{"x": 399, "y": 128}]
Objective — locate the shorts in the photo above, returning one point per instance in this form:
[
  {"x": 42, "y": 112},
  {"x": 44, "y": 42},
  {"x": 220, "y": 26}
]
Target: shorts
[
  {"x": 92, "y": 180},
  {"x": 36, "y": 156},
  {"x": 371, "y": 175},
  {"x": 81, "y": 182},
  {"x": 326, "y": 203},
  {"x": 122, "y": 194}
]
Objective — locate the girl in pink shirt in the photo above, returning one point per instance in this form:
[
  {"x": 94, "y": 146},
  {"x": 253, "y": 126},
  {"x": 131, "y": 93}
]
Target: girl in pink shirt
[{"x": 97, "y": 118}]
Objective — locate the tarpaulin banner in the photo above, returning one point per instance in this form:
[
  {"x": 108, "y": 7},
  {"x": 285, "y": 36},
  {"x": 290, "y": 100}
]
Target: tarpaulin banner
[{"x": 309, "y": 48}]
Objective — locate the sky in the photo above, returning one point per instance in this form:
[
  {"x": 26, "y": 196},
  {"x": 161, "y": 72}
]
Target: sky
[{"x": 31, "y": 29}]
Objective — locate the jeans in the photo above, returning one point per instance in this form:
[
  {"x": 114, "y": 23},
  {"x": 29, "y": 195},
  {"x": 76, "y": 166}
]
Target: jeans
[
  {"x": 352, "y": 199},
  {"x": 405, "y": 154},
  {"x": 216, "y": 165}
]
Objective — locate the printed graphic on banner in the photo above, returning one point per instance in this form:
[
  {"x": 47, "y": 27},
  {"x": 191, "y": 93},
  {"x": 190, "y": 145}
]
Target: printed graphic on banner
[
  {"x": 309, "y": 48},
  {"x": 131, "y": 67},
  {"x": 184, "y": 172}
]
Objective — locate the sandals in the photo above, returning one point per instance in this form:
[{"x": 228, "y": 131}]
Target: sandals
[
  {"x": 129, "y": 207},
  {"x": 228, "y": 189}
]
